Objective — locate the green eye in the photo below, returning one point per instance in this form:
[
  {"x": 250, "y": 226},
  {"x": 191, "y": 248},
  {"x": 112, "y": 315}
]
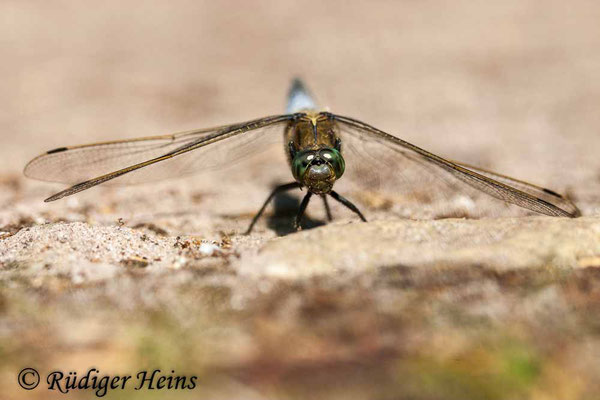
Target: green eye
[
  {"x": 335, "y": 159},
  {"x": 300, "y": 164}
]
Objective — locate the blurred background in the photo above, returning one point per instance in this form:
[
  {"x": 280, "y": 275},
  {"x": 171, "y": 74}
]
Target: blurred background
[{"x": 513, "y": 86}]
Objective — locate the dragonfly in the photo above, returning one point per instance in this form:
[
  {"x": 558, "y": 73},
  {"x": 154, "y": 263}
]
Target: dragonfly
[{"x": 321, "y": 148}]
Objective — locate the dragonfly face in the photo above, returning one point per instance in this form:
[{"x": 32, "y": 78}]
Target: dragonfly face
[{"x": 318, "y": 169}]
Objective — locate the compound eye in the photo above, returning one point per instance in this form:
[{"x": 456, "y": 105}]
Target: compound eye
[
  {"x": 335, "y": 159},
  {"x": 300, "y": 164}
]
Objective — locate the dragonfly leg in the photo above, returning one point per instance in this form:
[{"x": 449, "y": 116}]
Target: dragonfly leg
[
  {"x": 303, "y": 205},
  {"x": 327, "y": 210},
  {"x": 278, "y": 189},
  {"x": 348, "y": 204}
]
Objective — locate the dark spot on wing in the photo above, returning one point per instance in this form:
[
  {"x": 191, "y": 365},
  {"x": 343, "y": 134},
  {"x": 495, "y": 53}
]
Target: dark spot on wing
[
  {"x": 58, "y": 150},
  {"x": 552, "y": 193}
]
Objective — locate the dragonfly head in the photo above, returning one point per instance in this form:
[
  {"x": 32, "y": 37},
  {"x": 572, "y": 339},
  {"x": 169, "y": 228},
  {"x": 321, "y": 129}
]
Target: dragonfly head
[{"x": 318, "y": 169}]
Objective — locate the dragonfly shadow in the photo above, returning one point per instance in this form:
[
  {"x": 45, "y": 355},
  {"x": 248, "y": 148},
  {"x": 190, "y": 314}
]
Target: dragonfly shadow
[{"x": 285, "y": 209}]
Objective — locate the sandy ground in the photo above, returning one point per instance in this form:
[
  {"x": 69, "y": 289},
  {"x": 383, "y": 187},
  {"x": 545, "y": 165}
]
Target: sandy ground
[{"x": 419, "y": 303}]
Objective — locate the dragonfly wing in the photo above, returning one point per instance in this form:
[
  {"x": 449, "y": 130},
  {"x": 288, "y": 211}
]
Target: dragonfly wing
[
  {"x": 383, "y": 161},
  {"x": 538, "y": 192},
  {"x": 154, "y": 158},
  {"x": 76, "y": 163}
]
